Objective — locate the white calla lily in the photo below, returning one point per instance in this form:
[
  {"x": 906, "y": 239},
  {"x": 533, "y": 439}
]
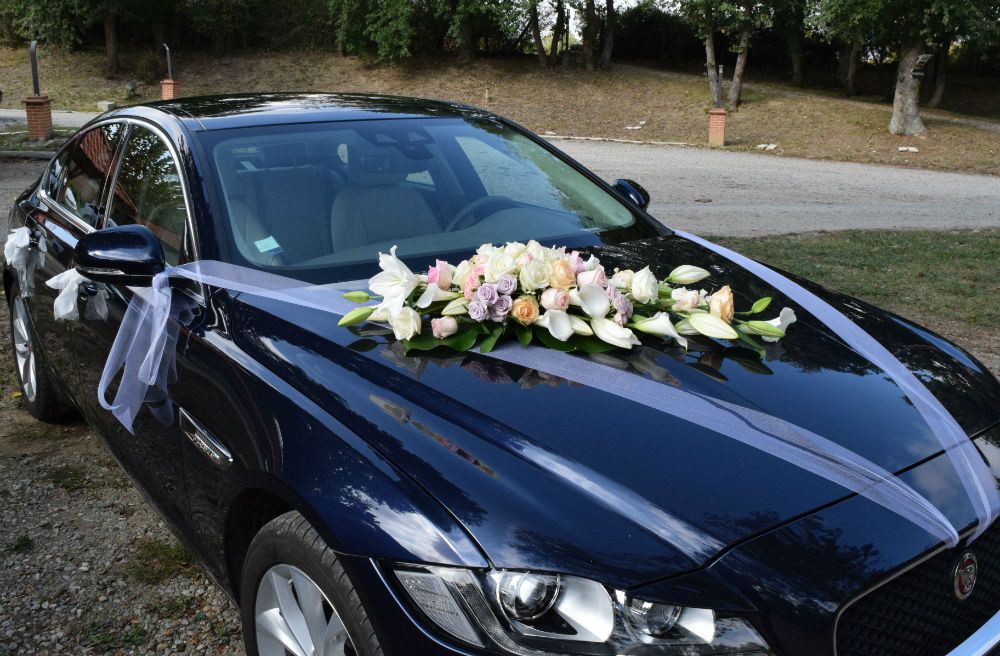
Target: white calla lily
[
  {"x": 784, "y": 319},
  {"x": 710, "y": 325},
  {"x": 660, "y": 324},
  {"x": 608, "y": 331},
  {"x": 580, "y": 325},
  {"x": 593, "y": 299},
  {"x": 558, "y": 324},
  {"x": 687, "y": 274},
  {"x": 433, "y": 294},
  {"x": 396, "y": 280}
]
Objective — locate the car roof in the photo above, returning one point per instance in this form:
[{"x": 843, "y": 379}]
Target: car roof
[{"x": 248, "y": 110}]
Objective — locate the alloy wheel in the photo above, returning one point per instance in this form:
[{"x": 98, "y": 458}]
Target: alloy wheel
[
  {"x": 293, "y": 616},
  {"x": 24, "y": 350}
]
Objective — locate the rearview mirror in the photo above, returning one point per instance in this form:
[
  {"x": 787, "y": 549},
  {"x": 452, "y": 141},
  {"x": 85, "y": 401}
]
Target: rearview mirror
[
  {"x": 123, "y": 255},
  {"x": 633, "y": 191}
]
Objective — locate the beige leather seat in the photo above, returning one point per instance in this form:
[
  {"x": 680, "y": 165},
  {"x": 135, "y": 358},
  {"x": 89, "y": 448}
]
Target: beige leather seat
[{"x": 377, "y": 206}]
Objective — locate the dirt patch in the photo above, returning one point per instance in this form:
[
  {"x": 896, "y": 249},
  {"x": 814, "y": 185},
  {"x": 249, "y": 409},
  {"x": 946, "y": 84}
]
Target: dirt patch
[{"x": 628, "y": 102}]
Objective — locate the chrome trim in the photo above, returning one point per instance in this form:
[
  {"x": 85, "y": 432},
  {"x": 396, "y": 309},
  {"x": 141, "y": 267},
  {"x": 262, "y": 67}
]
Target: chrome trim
[
  {"x": 210, "y": 447},
  {"x": 91, "y": 271},
  {"x": 982, "y": 641}
]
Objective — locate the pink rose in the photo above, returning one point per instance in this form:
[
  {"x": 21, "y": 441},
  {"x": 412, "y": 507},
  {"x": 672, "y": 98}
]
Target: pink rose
[
  {"x": 555, "y": 299},
  {"x": 470, "y": 284},
  {"x": 444, "y": 327},
  {"x": 440, "y": 274},
  {"x": 593, "y": 277}
]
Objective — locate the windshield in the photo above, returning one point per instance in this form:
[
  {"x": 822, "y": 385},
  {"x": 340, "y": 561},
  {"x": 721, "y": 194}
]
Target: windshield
[{"x": 320, "y": 201}]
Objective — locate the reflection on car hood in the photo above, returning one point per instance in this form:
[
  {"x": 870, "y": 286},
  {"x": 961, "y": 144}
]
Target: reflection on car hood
[{"x": 555, "y": 475}]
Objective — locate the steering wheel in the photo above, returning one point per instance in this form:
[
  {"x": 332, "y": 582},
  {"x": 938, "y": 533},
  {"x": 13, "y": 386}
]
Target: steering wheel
[{"x": 466, "y": 216}]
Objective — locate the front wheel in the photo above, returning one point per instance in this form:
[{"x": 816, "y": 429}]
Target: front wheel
[
  {"x": 296, "y": 598},
  {"x": 37, "y": 391}
]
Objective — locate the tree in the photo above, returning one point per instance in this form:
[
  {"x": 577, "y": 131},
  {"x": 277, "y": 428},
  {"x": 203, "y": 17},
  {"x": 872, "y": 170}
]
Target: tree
[
  {"x": 707, "y": 17},
  {"x": 608, "y": 34},
  {"x": 536, "y": 33},
  {"x": 790, "y": 19},
  {"x": 749, "y": 15}
]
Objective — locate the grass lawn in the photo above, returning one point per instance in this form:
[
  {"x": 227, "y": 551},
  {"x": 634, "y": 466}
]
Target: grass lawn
[
  {"x": 948, "y": 280},
  {"x": 565, "y": 101}
]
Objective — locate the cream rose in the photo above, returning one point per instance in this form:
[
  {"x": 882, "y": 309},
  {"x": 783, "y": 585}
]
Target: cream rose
[
  {"x": 500, "y": 263},
  {"x": 645, "y": 286},
  {"x": 685, "y": 300},
  {"x": 534, "y": 275},
  {"x": 721, "y": 304},
  {"x": 525, "y": 310},
  {"x": 623, "y": 279}
]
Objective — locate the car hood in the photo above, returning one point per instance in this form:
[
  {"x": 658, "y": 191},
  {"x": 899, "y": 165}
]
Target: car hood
[{"x": 555, "y": 475}]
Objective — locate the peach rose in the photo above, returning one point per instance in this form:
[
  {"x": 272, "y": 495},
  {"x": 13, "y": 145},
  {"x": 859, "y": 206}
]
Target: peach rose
[
  {"x": 525, "y": 310},
  {"x": 720, "y": 304},
  {"x": 561, "y": 274}
]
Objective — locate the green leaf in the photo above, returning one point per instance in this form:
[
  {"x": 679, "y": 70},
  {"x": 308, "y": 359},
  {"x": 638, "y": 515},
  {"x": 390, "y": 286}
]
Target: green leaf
[
  {"x": 760, "y": 305},
  {"x": 523, "y": 333},
  {"x": 590, "y": 344},
  {"x": 487, "y": 344},
  {"x": 546, "y": 338}
]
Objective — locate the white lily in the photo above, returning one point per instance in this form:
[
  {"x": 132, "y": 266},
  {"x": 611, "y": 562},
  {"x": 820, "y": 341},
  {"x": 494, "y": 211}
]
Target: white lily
[
  {"x": 687, "y": 274},
  {"x": 660, "y": 324},
  {"x": 405, "y": 323},
  {"x": 580, "y": 325},
  {"x": 592, "y": 298},
  {"x": 558, "y": 324},
  {"x": 396, "y": 279},
  {"x": 385, "y": 309},
  {"x": 710, "y": 325},
  {"x": 433, "y": 294},
  {"x": 610, "y": 332},
  {"x": 784, "y": 319}
]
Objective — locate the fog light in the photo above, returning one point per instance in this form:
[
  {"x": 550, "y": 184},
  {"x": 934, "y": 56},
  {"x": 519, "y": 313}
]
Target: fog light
[{"x": 525, "y": 596}]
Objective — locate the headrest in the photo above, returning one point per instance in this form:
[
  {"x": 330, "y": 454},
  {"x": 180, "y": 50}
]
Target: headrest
[{"x": 376, "y": 166}]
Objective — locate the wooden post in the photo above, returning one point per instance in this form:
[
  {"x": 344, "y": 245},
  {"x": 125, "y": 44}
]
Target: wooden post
[
  {"x": 39, "y": 111},
  {"x": 717, "y": 127}
]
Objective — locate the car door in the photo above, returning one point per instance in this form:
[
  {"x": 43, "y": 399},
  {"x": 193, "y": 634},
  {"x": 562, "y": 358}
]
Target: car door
[
  {"x": 145, "y": 189},
  {"x": 70, "y": 204}
]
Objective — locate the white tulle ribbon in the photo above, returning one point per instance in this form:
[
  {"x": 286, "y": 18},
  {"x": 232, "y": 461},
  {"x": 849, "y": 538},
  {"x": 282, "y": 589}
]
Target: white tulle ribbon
[
  {"x": 977, "y": 479},
  {"x": 66, "y": 307},
  {"x": 147, "y": 334},
  {"x": 24, "y": 257}
]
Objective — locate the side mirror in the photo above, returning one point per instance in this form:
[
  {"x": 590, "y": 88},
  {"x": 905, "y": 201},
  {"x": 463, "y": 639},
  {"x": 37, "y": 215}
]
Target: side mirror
[
  {"x": 633, "y": 191},
  {"x": 123, "y": 255}
]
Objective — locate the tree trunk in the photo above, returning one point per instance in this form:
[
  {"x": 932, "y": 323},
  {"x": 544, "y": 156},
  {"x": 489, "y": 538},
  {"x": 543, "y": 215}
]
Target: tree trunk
[
  {"x": 736, "y": 88},
  {"x": 589, "y": 34},
  {"x": 851, "y": 81},
  {"x": 111, "y": 63},
  {"x": 792, "y": 22},
  {"x": 940, "y": 68},
  {"x": 906, "y": 103},
  {"x": 536, "y": 33},
  {"x": 711, "y": 67},
  {"x": 466, "y": 41},
  {"x": 557, "y": 33},
  {"x": 610, "y": 24}
]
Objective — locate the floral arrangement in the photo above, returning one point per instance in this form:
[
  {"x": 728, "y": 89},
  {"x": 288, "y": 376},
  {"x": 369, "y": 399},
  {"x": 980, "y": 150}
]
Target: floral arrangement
[{"x": 558, "y": 298}]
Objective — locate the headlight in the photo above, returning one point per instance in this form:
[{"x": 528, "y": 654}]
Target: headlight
[{"x": 531, "y": 614}]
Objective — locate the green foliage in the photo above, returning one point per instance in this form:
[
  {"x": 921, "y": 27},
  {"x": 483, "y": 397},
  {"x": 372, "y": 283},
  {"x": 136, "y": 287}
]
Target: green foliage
[{"x": 57, "y": 22}]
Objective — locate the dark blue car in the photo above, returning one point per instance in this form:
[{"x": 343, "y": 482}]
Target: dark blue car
[{"x": 355, "y": 499}]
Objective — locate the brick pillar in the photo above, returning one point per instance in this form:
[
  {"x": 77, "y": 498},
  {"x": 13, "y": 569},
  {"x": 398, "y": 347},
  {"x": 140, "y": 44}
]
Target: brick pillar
[
  {"x": 717, "y": 127},
  {"x": 169, "y": 89},
  {"x": 39, "y": 111}
]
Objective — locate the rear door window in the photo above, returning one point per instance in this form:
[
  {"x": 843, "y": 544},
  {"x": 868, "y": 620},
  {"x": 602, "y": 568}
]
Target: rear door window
[
  {"x": 148, "y": 192},
  {"x": 87, "y": 168}
]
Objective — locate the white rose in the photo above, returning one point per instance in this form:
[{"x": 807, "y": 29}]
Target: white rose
[
  {"x": 461, "y": 272},
  {"x": 685, "y": 300},
  {"x": 534, "y": 275},
  {"x": 498, "y": 264},
  {"x": 645, "y": 286},
  {"x": 515, "y": 249},
  {"x": 405, "y": 323},
  {"x": 623, "y": 279}
]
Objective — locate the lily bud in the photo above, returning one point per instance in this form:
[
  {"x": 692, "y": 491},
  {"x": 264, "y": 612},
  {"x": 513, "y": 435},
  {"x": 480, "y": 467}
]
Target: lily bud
[
  {"x": 358, "y": 297},
  {"x": 687, "y": 275},
  {"x": 356, "y": 316}
]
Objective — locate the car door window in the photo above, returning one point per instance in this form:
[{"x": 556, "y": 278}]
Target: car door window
[
  {"x": 87, "y": 168},
  {"x": 148, "y": 191}
]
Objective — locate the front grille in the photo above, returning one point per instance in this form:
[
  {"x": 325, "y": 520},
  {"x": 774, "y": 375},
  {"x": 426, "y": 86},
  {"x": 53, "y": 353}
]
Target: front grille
[{"x": 917, "y": 613}]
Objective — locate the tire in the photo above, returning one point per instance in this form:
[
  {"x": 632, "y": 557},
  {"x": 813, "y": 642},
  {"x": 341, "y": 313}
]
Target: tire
[
  {"x": 37, "y": 391},
  {"x": 287, "y": 549}
]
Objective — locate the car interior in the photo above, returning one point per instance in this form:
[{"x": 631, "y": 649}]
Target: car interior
[{"x": 343, "y": 192}]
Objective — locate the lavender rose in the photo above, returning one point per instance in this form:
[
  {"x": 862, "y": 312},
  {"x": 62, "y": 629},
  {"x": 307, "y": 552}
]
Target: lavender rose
[
  {"x": 500, "y": 309},
  {"x": 623, "y": 307},
  {"x": 478, "y": 310},
  {"x": 487, "y": 294},
  {"x": 507, "y": 284}
]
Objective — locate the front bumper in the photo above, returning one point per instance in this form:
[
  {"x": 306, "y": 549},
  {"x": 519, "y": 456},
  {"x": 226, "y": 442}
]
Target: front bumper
[{"x": 984, "y": 642}]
